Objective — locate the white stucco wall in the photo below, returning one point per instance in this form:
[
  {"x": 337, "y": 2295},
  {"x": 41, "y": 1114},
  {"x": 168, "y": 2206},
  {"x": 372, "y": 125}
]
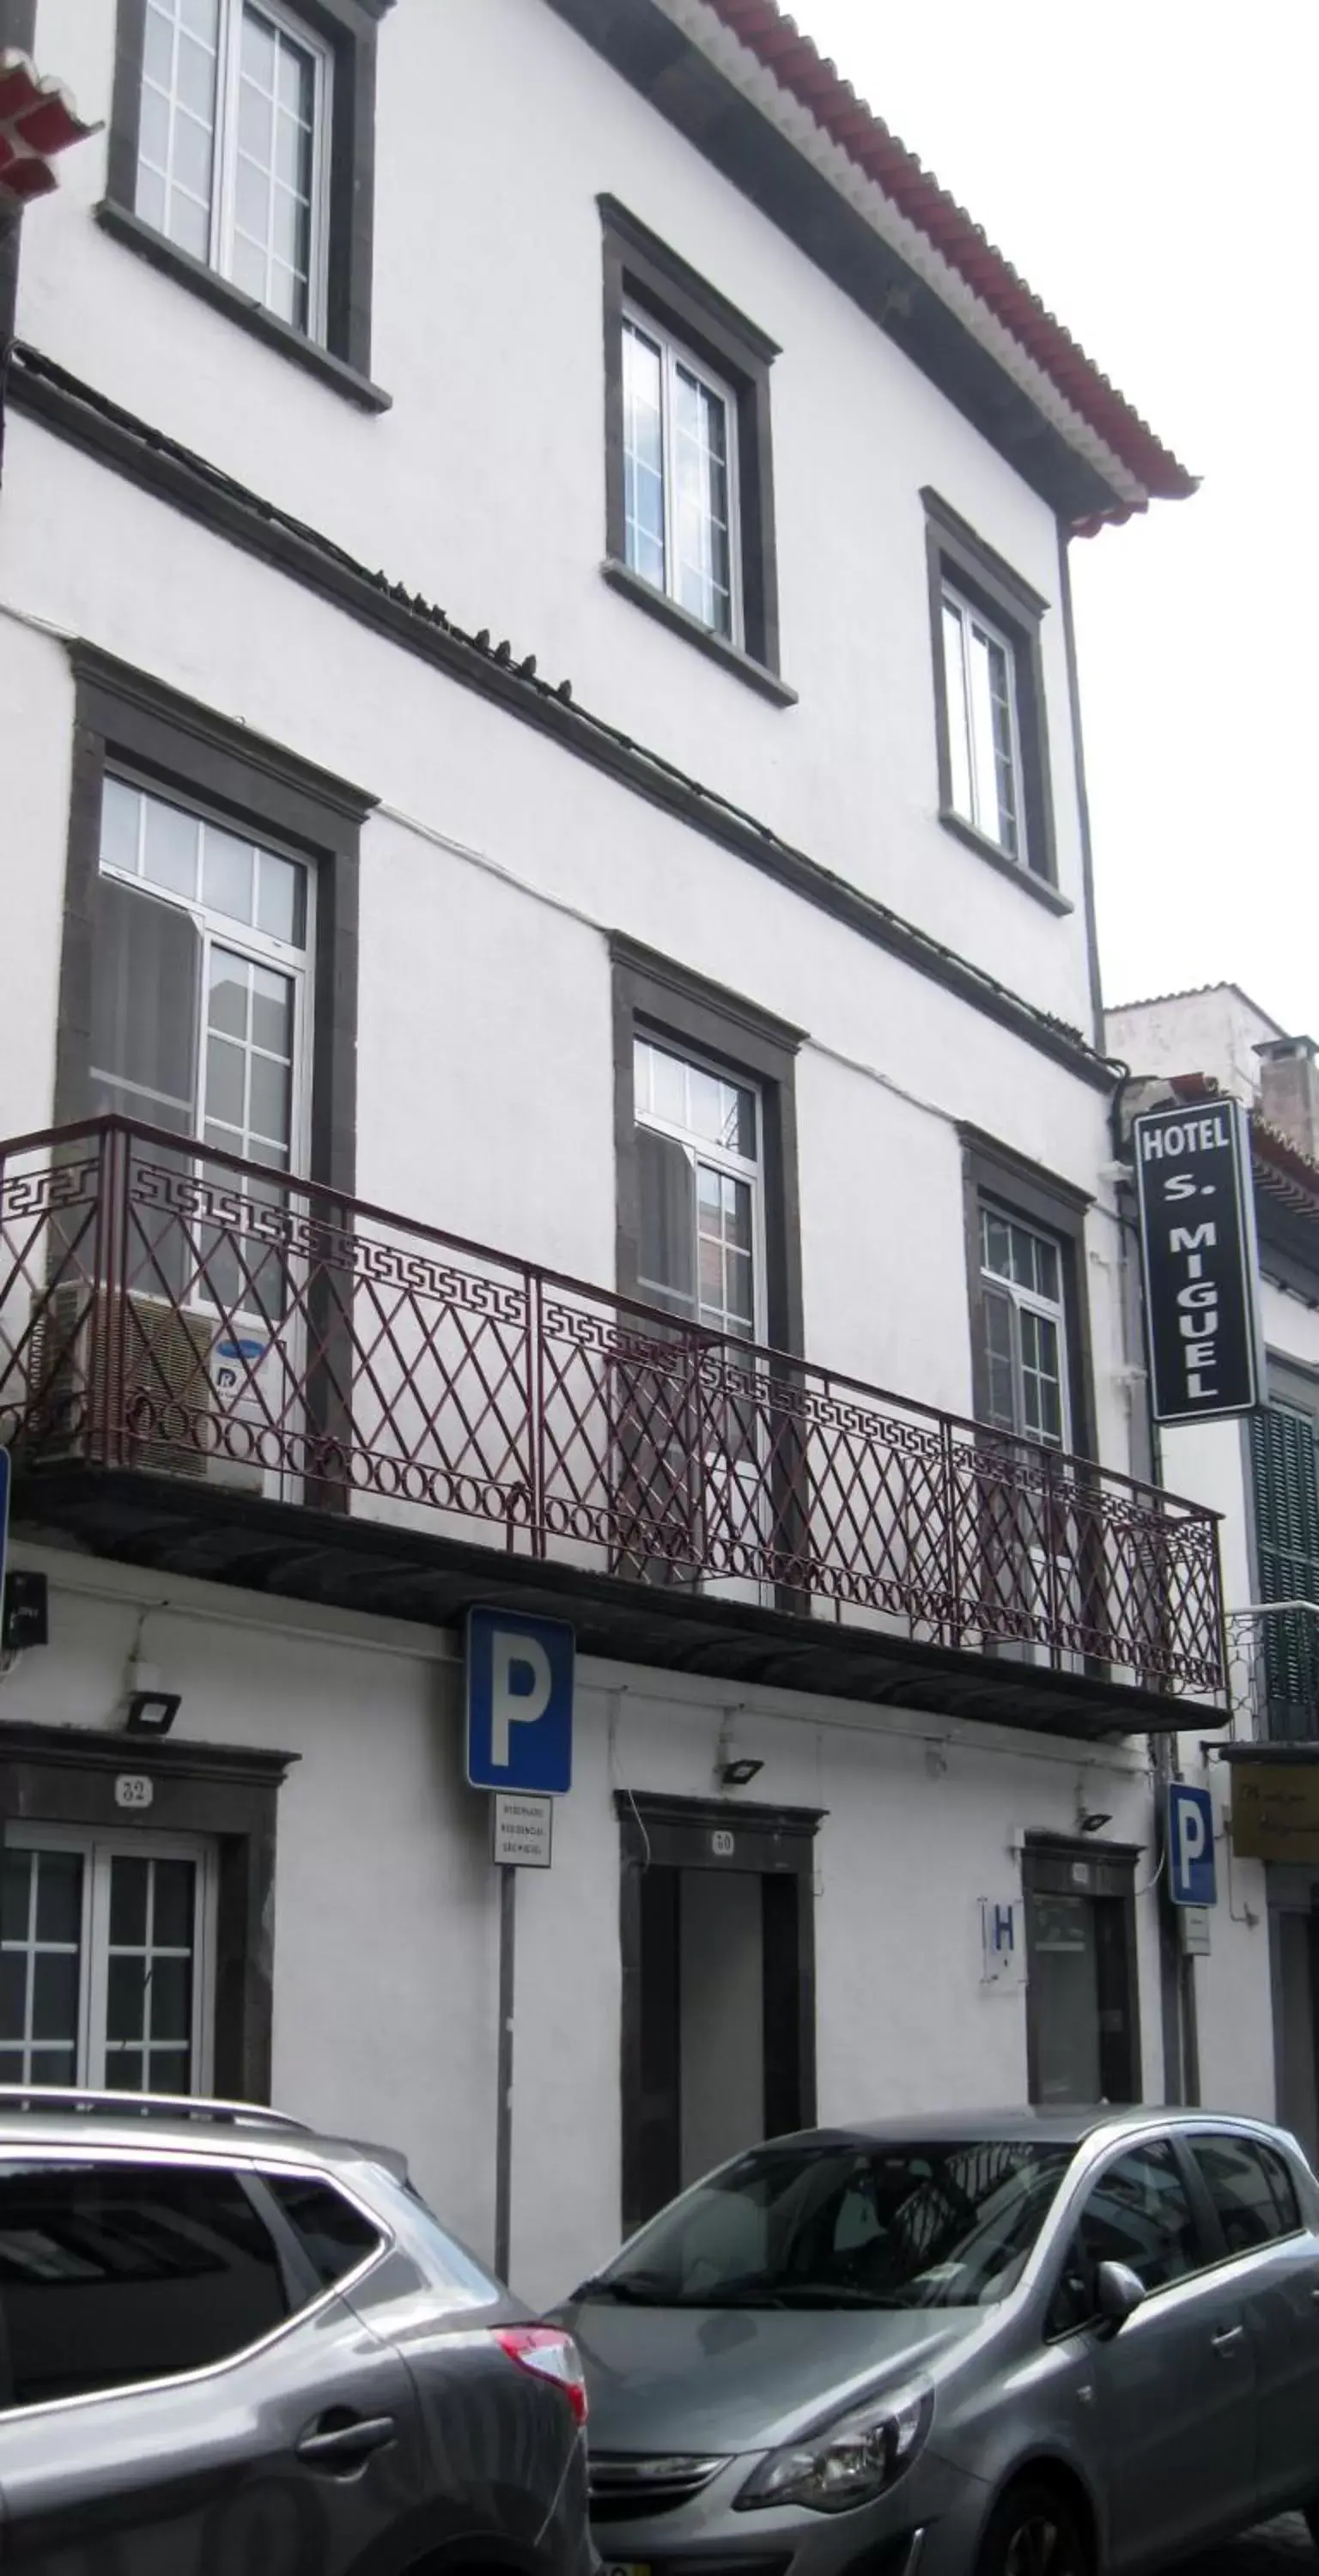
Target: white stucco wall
[
  {"x": 485, "y": 1050},
  {"x": 387, "y": 1911},
  {"x": 483, "y": 487}
]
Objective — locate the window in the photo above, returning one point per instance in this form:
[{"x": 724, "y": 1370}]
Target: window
[
  {"x": 113, "y": 2274},
  {"x": 1139, "y": 2213},
  {"x": 1025, "y": 1331},
  {"x": 1252, "y": 2192},
  {"x": 1284, "y": 1456},
  {"x": 199, "y": 982},
  {"x": 689, "y": 481},
  {"x": 698, "y": 1157},
  {"x": 233, "y": 147},
  {"x": 680, "y": 511},
  {"x": 984, "y": 754},
  {"x": 105, "y": 1961},
  {"x": 333, "y": 2234},
  {"x": 241, "y": 161},
  {"x": 992, "y": 738}
]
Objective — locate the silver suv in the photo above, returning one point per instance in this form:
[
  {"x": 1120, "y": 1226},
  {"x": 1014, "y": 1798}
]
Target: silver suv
[
  {"x": 1021, "y": 2345},
  {"x": 231, "y": 2347}
]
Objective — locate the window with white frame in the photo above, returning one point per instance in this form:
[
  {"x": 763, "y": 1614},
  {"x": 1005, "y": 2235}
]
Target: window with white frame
[
  {"x": 984, "y": 732},
  {"x": 699, "y": 1157},
  {"x": 234, "y": 147},
  {"x": 106, "y": 1960},
  {"x": 1025, "y": 1354},
  {"x": 680, "y": 476},
  {"x": 199, "y": 994}
]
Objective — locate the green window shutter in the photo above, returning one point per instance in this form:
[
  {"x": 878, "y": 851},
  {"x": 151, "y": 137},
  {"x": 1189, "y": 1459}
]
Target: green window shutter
[{"x": 1285, "y": 1474}]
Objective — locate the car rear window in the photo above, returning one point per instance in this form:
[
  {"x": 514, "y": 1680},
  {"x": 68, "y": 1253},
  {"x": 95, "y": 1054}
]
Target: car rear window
[
  {"x": 116, "y": 2273},
  {"x": 332, "y": 2231},
  {"x": 1250, "y": 2187}
]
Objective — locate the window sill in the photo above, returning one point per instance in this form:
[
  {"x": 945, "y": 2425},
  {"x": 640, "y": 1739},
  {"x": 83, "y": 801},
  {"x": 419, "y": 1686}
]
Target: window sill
[
  {"x": 730, "y": 658},
  {"x": 1026, "y": 878},
  {"x": 150, "y": 245}
]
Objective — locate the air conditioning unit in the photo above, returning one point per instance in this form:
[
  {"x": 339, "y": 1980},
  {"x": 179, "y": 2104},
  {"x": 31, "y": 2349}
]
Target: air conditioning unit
[{"x": 127, "y": 1375}]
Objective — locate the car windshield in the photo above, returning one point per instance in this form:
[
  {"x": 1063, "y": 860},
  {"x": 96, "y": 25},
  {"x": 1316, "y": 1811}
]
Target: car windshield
[{"x": 837, "y": 2224}]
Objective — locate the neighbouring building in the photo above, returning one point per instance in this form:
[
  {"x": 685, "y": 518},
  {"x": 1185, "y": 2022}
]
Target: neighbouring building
[
  {"x": 1257, "y": 2013},
  {"x": 551, "y": 968}
]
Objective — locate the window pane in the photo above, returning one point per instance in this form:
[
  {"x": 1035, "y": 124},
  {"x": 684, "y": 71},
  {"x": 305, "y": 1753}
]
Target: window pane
[
  {"x": 228, "y": 868},
  {"x": 16, "y": 1896},
  {"x": 668, "y": 1077},
  {"x": 272, "y": 1012},
  {"x": 281, "y": 909},
  {"x": 59, "y": 1897},
  {"x": 13, "y": 1995},
  {"x": 226, "y": 1095},
  {"x": 176, "y": 126},
  {"x": 335, "y": 2236},
  {"x": 1000, "y": 1389},
  {"x": 1000, "y": 685},
  {"x": 175, "y": 1895},
  {"x": 1250, "y": 2188},
  {"x": 121, "y": 808},
  {"x": 268, "y": 1107},
  {"x": 996, "y": 1244},
  {"x": 959, "y": 739},
  {"x": 227, "y": 997},
  {"x": 701, "y": 502},
  {"x": 112, "y": 2274},
  {"x": 55, "y": 1995},
  {"x": 667, "y": 1249},
  {"x": 1041, "y": 1376},
  {"x": 128, "y": 1900},
  {"x": 146, "y": 959},
  {"x": 170, "y": 841},
  {"x": 643, "y": 456},
  {"x": 1139, "y": 2214}
]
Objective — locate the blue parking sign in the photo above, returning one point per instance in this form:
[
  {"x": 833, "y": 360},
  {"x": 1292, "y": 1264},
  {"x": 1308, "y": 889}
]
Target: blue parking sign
[
  {"x": 519, "y": 1702},
  {"x": 1189, "y": 1825}
]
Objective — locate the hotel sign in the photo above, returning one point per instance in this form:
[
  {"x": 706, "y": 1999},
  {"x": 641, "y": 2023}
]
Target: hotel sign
[{"x": 1201, "y": 1266}]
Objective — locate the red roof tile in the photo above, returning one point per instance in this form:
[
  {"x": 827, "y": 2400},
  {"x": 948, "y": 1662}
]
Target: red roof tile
[{"x": 796, "y": 64}]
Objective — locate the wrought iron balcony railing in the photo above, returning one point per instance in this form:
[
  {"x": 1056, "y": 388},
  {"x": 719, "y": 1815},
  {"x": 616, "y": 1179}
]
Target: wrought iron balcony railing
[
  {"x": 1273, "y": 1667},
  {"x": 167, "y": 1309}
]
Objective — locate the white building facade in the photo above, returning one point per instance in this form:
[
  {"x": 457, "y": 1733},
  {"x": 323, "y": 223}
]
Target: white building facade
[
  {"x": 716, "y": 950},
  {"x": 1256, "y": 1993}
]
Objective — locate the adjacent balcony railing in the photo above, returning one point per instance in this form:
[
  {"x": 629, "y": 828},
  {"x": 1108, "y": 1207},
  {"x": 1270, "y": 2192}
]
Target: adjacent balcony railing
[
  {"x": 1273, "y": 1650},
  {"x": 167, "y": 1309}
]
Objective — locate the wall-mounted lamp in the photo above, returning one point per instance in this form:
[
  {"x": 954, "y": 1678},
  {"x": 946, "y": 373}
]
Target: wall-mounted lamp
[
  {"x": 152, "y": 1712},
  {"x": 739, "y": 1774},
  {"x": 1094, "y": 1823}
]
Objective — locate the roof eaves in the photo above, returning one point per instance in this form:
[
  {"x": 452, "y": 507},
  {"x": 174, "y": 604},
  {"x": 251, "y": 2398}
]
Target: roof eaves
[{"x": 834, "y": 128}]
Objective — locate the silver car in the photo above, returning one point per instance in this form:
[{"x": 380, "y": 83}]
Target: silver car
[{"x": 1021, "y": 2345}]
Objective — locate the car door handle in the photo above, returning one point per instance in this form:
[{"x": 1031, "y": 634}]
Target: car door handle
[
  {"x": 345, "y": 2445},
  {"x": 1229, "y": 2338}
]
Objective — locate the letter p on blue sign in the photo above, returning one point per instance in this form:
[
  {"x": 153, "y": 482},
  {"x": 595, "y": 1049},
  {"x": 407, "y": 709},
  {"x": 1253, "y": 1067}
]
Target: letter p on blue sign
[
  {"x": 1192, "y": 1878},
  {"x": 519, "y": 1702}
]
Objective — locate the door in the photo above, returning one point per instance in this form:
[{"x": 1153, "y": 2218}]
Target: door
[
  {"x": 265, "y": 2426},
  {"x": 1174, "y": 2390},
  {"x": 1275, "y": 2267},
  {"x": 718, "y": 1996},
  {"x": 1082, "y": 2037}
]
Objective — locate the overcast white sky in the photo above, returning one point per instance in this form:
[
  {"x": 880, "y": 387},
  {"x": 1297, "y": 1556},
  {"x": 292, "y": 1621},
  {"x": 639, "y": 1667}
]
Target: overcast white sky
[{"x": 1148, "y": 167}]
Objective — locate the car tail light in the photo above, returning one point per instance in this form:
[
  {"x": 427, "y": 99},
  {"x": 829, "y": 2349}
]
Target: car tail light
[{"x": 550, "y": 2354}]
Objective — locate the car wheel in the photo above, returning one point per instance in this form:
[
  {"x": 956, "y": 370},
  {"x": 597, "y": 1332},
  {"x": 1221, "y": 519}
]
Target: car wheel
[{"x": 1034, "y": 2530}]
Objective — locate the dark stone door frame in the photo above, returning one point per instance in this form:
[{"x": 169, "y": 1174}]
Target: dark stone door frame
[
  {"x": 65, "y": 1775},
  {"x": 777, "y": 1844}
]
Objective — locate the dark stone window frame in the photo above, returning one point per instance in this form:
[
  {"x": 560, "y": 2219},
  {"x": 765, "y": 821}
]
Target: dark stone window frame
[
  {"x": 993, "y": 1175},
  {"x": 225, "y": 1794},
  {"x": 205, "y": 759},
  {"x": 653, "y": 997},
  {"x": 957, "y": 555},
  {"x": 640, "y": 269},
  {"x": 349, "y": 28}
]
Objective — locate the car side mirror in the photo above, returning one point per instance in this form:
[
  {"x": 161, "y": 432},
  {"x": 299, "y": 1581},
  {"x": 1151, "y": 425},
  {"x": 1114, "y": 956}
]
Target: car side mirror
[{"x": 1118, "y": 2293}]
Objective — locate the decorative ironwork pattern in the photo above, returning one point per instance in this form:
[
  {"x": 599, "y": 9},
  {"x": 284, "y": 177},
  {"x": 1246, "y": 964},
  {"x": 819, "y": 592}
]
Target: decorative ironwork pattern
[{"x": 166, "y": 1307}]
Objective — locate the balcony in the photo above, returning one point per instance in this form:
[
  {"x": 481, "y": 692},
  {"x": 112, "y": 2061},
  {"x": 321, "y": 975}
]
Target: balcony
[
  {"x": 212, "y": 1371},
  {"x": 1273, "y": 1668}
]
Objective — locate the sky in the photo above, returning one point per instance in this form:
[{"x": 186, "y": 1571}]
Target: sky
[{"x": 1146, "y": 169}]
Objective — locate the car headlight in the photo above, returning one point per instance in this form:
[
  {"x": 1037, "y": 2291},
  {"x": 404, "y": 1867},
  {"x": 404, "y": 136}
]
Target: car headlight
[{"x": 849, "y": 2461}]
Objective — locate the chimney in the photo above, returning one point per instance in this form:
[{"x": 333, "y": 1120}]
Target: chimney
[{"x": 1289, "y": 1091}]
